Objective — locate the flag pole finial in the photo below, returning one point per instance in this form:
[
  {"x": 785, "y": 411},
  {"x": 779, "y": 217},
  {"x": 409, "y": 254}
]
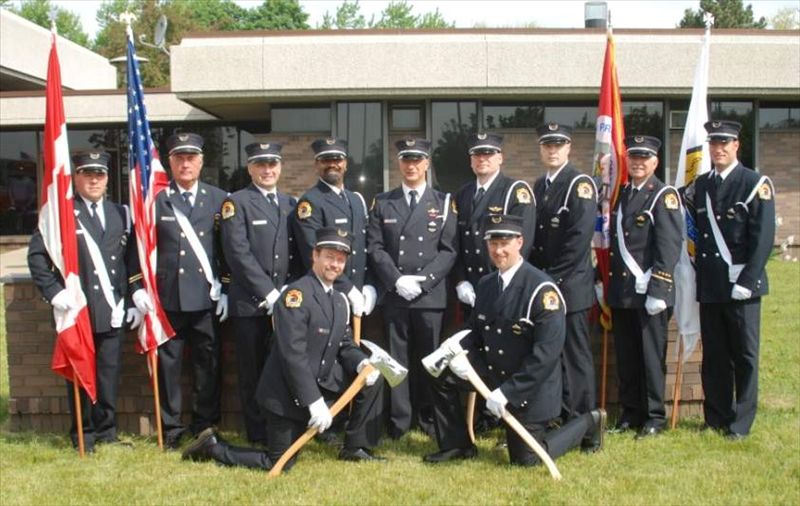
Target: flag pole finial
[
  {"x": 128, "y": 18},
  {"x": 52, "y": 15},
  {"x": 708, "y": 19}
]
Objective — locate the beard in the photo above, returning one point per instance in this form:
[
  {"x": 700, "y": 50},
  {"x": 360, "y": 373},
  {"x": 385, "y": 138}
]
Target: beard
[{"x": 332, "y": 177}]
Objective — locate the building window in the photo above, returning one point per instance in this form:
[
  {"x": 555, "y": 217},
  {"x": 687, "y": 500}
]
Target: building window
[
  {"x": 774, "y": 116},
  {"x": 451, "y": 123},
  {"x": 304, "y": 119},
  {"x": 743, "y": 113},
  {"x": 406, "y": 117},
  {"x": 19, "y": 203},
  {"x": 578, "y": 116},
  {"x": 496, "y": 116},
  {"x": 360, "y": 124}
]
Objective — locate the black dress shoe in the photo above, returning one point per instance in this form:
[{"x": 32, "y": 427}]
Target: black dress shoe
[
  {"x": 733, "y": 435},
  {"x": 328, "y": 437},
  {"x": 198, "y": 449},
  {"x": 469, "y": 452},
  {"x": 649, "y": 431},
  {"x": 359, "y": 455},
  {"x": 594, "y": 439}
]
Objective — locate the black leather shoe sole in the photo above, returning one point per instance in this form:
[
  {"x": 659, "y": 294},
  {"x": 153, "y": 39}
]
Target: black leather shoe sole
[
  {"x": 195, "y": 449},
  {"x": 454, "y": 454}
]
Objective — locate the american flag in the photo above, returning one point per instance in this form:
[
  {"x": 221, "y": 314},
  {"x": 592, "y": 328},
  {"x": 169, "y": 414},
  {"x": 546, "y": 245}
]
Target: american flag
[
  {"x": 73, "y": 356},
  {"x": 147, "y": 179}
]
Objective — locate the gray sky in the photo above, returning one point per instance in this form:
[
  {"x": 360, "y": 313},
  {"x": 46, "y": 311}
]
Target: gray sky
[{"x": 500, "y": 13}]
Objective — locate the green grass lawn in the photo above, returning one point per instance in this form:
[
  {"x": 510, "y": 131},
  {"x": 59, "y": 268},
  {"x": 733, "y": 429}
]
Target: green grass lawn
[{"x": 681, "y": 467}]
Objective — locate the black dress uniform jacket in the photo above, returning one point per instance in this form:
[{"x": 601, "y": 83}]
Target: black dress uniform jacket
[
  {"x": 516, "y": 340},
  {"x": 182, "y": 285},
  {"x": 321, "y": 207},
  {"x": 313, "y": 348},
  {"x": 505, "y": 196},
  {"x": 653, "y": 236},
  {"x": 748, "y": 228},
  {"x": 565, "y": 214},
  {"x": 117, "y": 245},
  {"x": 420, "y": 243},
  {"x": 259, "y": 247}
]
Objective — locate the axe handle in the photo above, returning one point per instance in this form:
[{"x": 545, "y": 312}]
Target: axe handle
[
  {"x": 512, "y": 422},
  {"x": 471, "y": 398},
  {"x": 340, "y": 403},
  {"x": 357, "y": 330}
]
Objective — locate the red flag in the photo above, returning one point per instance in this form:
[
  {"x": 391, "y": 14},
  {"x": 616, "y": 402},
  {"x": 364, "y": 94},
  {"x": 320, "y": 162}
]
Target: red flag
[
  {"x": 73, "y": 356},
  {"x": 147, "y": 179},
  {"x": 609, "y": 166}
]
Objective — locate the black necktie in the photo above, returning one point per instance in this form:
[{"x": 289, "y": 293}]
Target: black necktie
[
  {"x": 96, "y": 218},
  {"x": 479, "y": 195},
  {"x": 187, "y": 197},
  {"x": 547, "y": 184},
  {"x": 632, "y": 194},
  {"x": 413, "y": 200},
  {"x": 500, "y": 283},
  {"x": 271, "y": 199},
  {"x": 717, "y": 181}
]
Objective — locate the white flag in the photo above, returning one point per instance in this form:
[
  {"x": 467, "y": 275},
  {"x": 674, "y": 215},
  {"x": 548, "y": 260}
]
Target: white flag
[{"x": 694, "y": 160}]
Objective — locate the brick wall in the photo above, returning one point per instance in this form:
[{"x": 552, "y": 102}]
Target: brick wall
[
  {"x": 779, "y": 152},
  {"x": 38, "y": 396}
]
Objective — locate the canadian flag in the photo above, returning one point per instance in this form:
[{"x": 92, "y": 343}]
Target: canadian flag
[{"x": 73, "y": 356}]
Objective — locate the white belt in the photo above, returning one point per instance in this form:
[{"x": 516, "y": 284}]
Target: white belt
[
  {"x": 117, "y": 308},
  {"x": 199, "y": 252},
  {"x": 642, "y": 278},
  {"x": 733, "y": 269}
]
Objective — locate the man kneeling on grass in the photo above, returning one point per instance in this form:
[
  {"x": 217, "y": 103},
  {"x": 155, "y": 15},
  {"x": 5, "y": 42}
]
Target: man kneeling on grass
[
  {"x": 313, "y": 359},
  {"x": 513, "y": 339}
]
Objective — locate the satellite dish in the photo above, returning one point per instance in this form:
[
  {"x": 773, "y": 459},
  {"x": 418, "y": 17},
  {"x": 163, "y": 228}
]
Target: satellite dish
[{"x": 160, "y": 31}]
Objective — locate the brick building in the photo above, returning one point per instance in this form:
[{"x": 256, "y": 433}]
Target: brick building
[{"x": 293, "y": 87}]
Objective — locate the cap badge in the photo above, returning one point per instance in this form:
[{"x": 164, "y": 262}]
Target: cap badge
[
  {"x": 330, "y": 142},
  {"x": 264, "y": 146},
  {"x": 341, "y": 233},
  {"x": 482, "y": 136},
  {"x": 494, "y": 209},
  {"x": 716, "y": 124},
  {"x": 410, "y": 142},
  {"x": 638, "y": 139},
  {"x": 94, "y": 156},
  {"x": 183, "y": 137},
  {"x": 552, "y": 127},
  {"x": 497, "y": 219}
]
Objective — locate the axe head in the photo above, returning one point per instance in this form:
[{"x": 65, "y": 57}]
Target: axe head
[
  {"x": 391, "y": 370},
  {"x": 437, "y": 362}
]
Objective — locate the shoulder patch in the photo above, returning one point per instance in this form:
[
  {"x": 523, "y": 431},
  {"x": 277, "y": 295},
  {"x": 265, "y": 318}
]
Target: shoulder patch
[
  {"x": 585, "y": 190},
  {"x": 293, "y": 298},
  {"x": 523, "y": 196},
  {"x": 304, "y": 210},
  {"x": 228, "y": 209},
  {"x": 765, "y": 192},
  {"x": 671, "y": 201},
  {"x": 550, "y": 301}
]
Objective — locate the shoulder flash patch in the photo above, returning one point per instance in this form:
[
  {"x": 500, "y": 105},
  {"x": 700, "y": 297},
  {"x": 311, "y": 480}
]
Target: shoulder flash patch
[
  {"x": 550, "y": 301},
  {"x": 671, "y": 201},
  {"x": 228, "y": 209},
  {"x": 585, "y": 190},
  {"x": 523, "y": 196},
  {"x": 304, "y": 210},
  {"x": 293, "y": 299},
  {"x": 765, "y": 192}
]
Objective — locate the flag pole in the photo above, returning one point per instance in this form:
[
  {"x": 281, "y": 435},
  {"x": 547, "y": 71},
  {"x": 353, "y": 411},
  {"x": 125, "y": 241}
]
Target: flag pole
[
  {"x": 604, "y": 371},
  {"x": 156, "y": 399},
  {"x": 676, "y": 390},
  {"x": 76, "y": 394}
]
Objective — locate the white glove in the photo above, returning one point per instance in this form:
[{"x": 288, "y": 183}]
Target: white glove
[
  {"x": 63, "y": 301},
  {"x": 737, "y": 293},
  {"x": 222, "y": 307},
  {"x": 496, "y": 403},
  {"x": 654, "y": 306},
  {"x": 408, "y": 286},
  {"x": 269, "y": 300},
  {"x": 460, "y": 366},
  {"x": 134, "y": 317},
  {"x": 372, "y": 377},
  {"x": 141, "y": 299},
  {"x": 466, "y": 293},
  {"x": 356, "y": 301},
  {"x": 370, "y": 298},
  {"x": 321, "y": 418}
]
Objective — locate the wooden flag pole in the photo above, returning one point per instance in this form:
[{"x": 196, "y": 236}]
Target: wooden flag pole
[
  {"x": 76, "y": 391},
  {"x": 156, "y": 399},
  {"x": 676, "y": 389},
  {"x": 604, "y": 370}
]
